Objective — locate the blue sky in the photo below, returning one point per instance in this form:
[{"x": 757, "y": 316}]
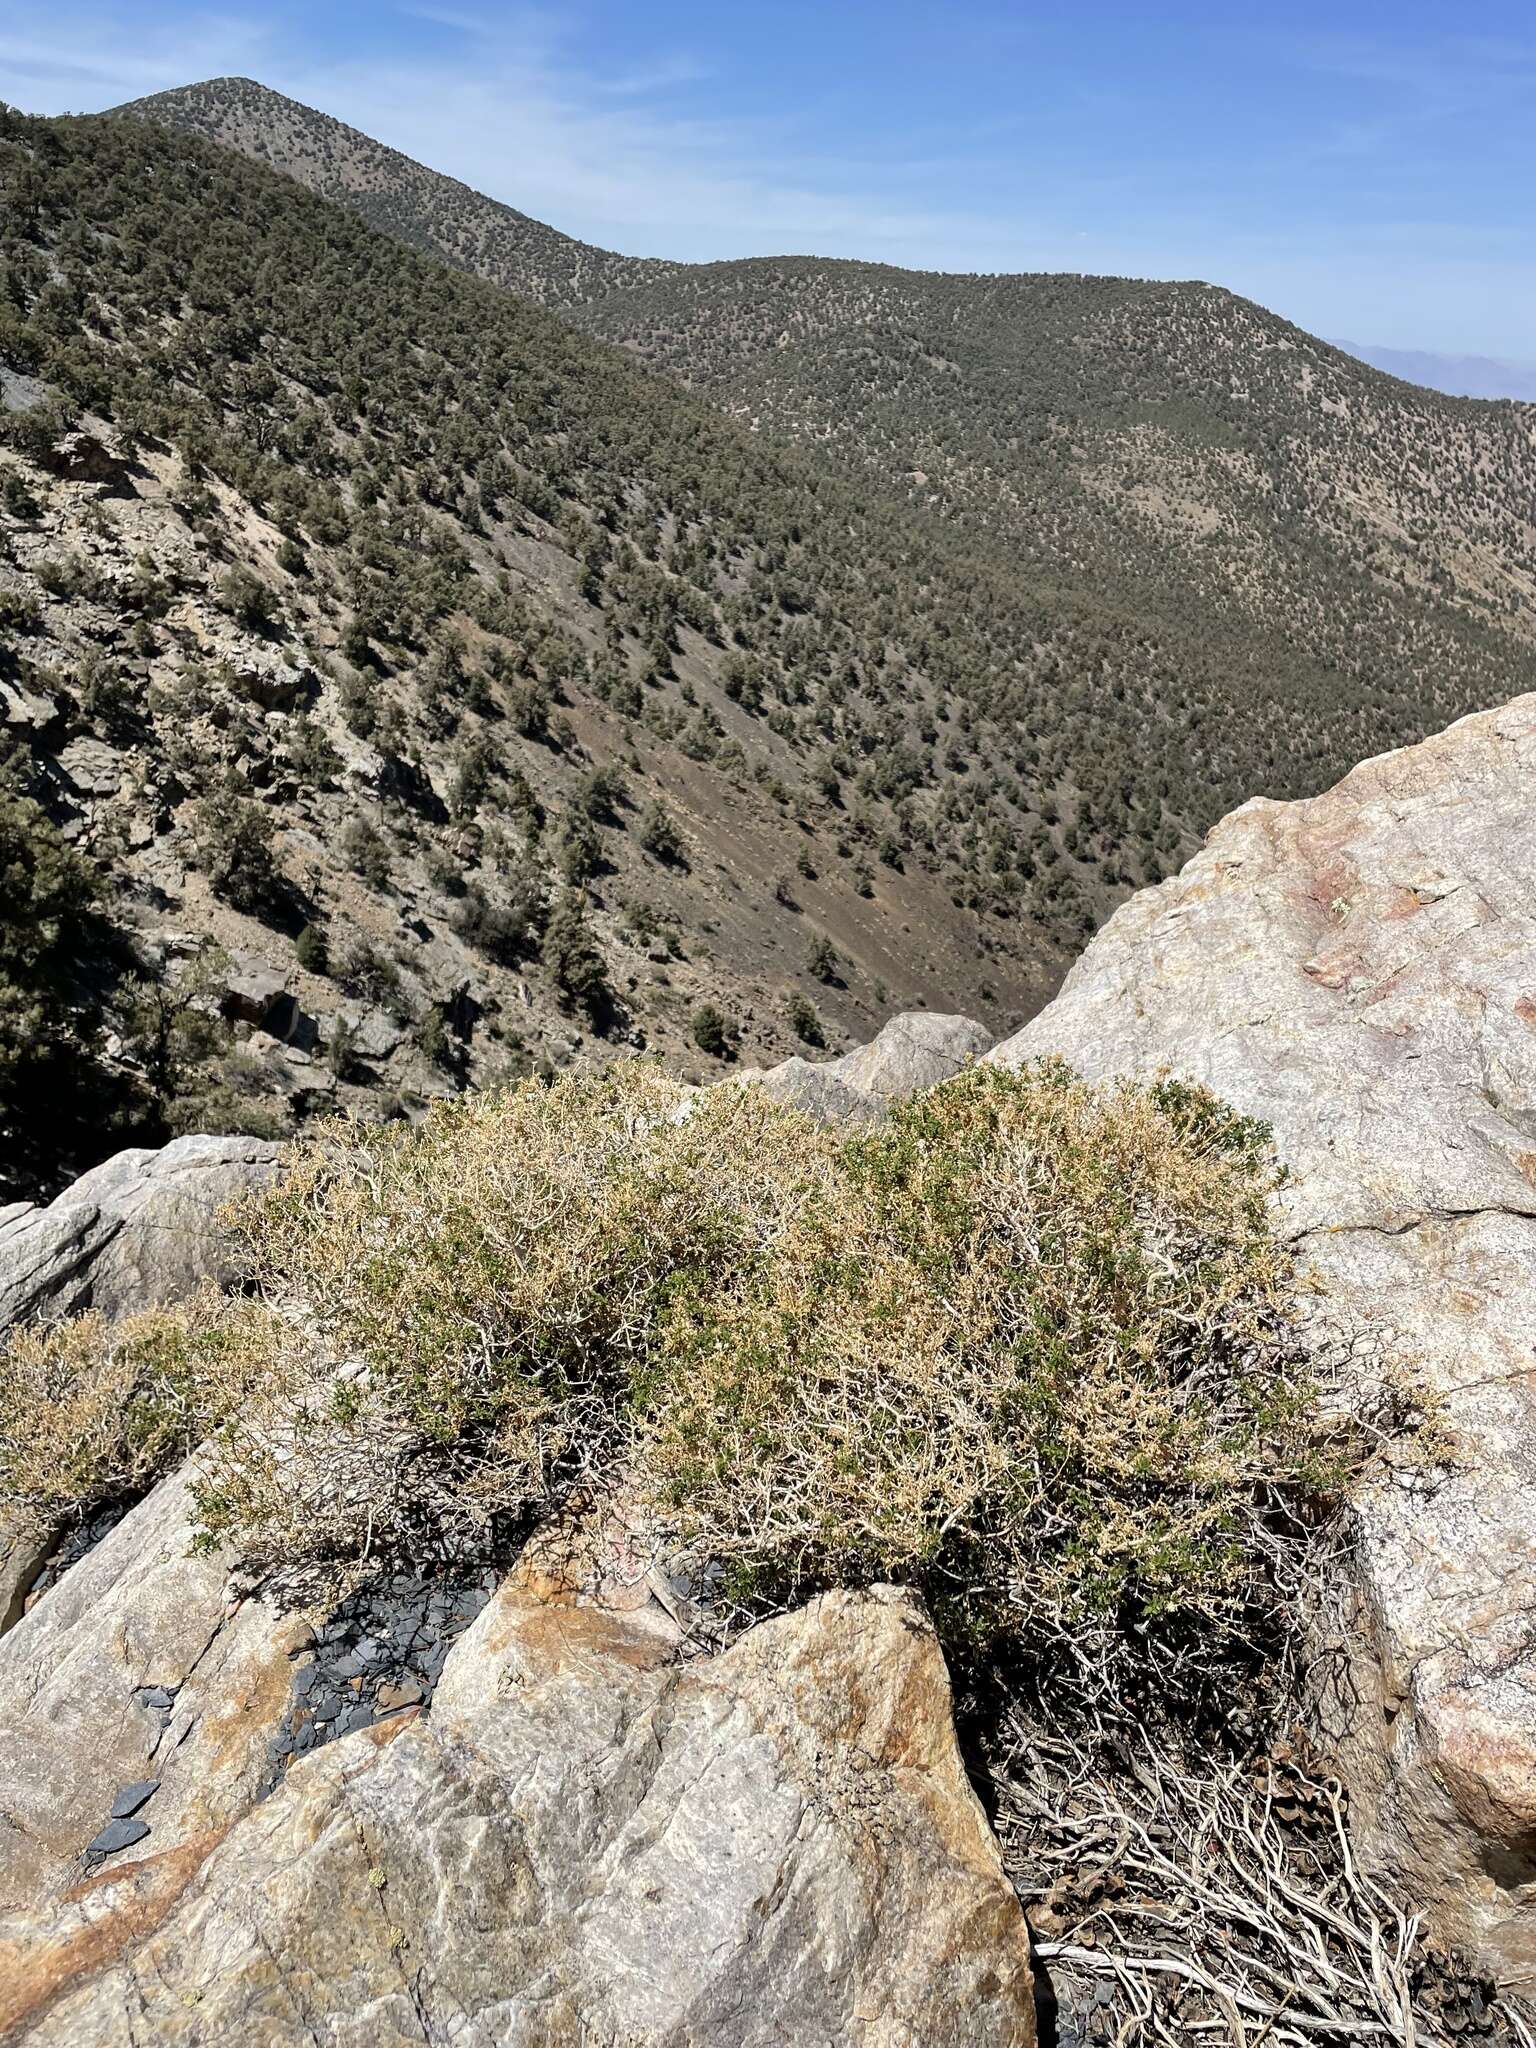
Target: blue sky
[{"x": 1367, "y": 170}]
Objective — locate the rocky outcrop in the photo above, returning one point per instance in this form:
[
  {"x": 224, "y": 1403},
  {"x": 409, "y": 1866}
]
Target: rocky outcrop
[
  {"x": 86, "y": 456},
  {"x": 136, "y": 1231},
  {"x": 914, "y": 1051},
  {"x": 1360, "y": 970},
  {"x": 579, "y": 1835},
  {"x": 141, "y": 1664}
]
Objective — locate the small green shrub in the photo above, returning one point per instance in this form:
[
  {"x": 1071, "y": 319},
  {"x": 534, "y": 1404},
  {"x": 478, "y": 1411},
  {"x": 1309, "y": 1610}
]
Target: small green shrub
[
  {"x": 1026, "y": 1349},
  {"x": 578, "y": 850},
  {"x": 373, "y": 977},
  {"x": 574, "y": 959},
  {"x": 16, "y": 496},
  {"x": 366, "y": 853},
  {"x": 660, "y": 837},
  {"x": 435, "y": 1041},
  {"x": 92, "y": 1412},
  {"x": 822, "y": 960},
  {"x": 602, "y": 795},
  {"x": 505, "y": 928},
  {"x": 233, "y": 844},
  {"x": 528, "y": 707},
  {"x": 20, "y": 611},
  {"x": 249, "y": 601},
  {"x": 356, "y": 645},
  {"x": 802, "y": 1017},
  {"x": 312, "y": 950},
  {"x": 315, "y": 760}
]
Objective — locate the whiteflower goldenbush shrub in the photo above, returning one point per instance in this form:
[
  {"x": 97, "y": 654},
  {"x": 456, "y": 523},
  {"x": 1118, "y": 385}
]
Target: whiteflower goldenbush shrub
[
  {"x": 1027, "y": 1346},
  {"x": 478, "y": 1303},
  {"x": 92, "y": 1412}
]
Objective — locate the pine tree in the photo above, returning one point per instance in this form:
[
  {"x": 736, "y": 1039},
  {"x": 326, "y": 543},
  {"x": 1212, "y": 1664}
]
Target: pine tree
[{"x": 574, "y": 959}]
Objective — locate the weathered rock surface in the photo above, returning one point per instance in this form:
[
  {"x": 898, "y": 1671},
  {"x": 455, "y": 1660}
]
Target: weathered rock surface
[
  {"x": 586, "y": 1838},
  {"x": 915, "y": 1050},
  {"x": 136, "y": 1231},
  {"x": 141, "y": 1663},
  {"x": 1360, "y": 970},
  {"x": 816, "y": 1091},
  {"x": 83, "y": 456}
]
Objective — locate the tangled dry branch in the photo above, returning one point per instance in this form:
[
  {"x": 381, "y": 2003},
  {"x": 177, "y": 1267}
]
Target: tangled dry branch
[{"x": 1225, "y": 1906}]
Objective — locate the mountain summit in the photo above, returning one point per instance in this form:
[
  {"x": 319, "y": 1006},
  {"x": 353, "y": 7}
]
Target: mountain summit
[{"x": 395, "y": 194}]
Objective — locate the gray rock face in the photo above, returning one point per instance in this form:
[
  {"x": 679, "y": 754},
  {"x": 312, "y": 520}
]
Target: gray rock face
[
  {"x": 914, "y": 1051},
  {"x": 92, "y": 767},
  {"x": 136, "y": 1231},
  {"x": 816, "y": 1091},
  {"x": 585, "y": 1838},
  {"x": 86, "y": 457},
  {"x": 1360, "y": 970},
  {"x": 140, "y": 1664},
  {"x": 19, "y": 392},
  {"x": 254, "y": 992},
  {"x": 374, "y": 1033}
]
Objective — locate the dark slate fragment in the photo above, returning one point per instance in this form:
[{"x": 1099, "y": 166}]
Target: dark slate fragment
[
  {"x": 117, "y": 1834},
  {"x": 132, "y": 1797}
]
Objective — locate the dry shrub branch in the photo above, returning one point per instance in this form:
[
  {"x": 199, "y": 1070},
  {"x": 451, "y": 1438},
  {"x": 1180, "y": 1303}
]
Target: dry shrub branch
[{"x": 1175, "y": 1904}]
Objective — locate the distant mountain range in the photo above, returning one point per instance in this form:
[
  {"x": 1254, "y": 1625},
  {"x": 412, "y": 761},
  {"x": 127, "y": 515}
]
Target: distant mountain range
[{"x": 1461, "y": 376}]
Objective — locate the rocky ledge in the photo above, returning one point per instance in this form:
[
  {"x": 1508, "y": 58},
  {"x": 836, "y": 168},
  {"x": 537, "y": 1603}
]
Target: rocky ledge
[
  {"x": 589, "y": 1836},
  {"x": 1360, "y": 971}
]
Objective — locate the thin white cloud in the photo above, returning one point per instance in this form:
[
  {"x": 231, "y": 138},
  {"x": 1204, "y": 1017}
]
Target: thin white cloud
[
  {"x": 507, "y": 106},
  {"x": 91, "y": 59},
  {"x": 636, "y": 158}
]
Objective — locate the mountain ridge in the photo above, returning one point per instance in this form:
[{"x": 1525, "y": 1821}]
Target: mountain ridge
[
  {"x": 1170, "y": 440},
  {"x": 548, "y": 266}
]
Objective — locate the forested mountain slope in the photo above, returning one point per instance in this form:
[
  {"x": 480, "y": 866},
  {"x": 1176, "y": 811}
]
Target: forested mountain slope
[
  {"x": 1259, "y": 533},
  {"x": 409, "y": 687},
  {"x": 405, "y": 687}
]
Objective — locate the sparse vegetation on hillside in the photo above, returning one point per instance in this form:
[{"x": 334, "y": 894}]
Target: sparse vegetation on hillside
[
  {"x": 1277, "y": 559},
  {"x": 322, "y": 532},
  {"x": 1026, "y": 1346},
  {"x": 327, "y": 533}
]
